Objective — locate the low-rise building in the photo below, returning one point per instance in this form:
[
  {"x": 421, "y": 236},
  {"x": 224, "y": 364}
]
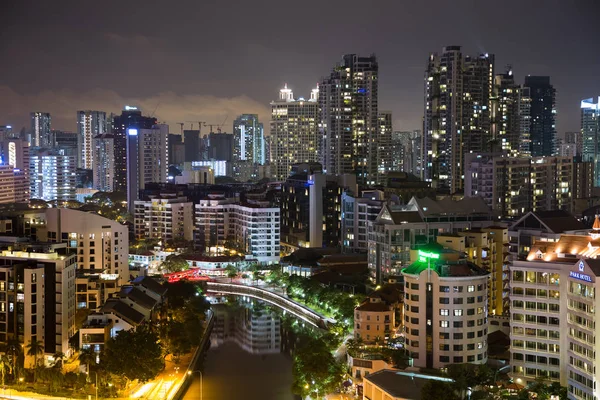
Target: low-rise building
[
  {"x": 396, "y": 385},
  {"x": 356, "y": 214},
  {"x": 374, "y": 320}
]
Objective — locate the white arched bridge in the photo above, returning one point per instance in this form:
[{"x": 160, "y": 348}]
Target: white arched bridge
[{"x": 294, "y": 308}]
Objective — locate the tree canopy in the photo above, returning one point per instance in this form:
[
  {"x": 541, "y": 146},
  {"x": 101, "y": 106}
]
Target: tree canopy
[{"x": 134, "y": 354}]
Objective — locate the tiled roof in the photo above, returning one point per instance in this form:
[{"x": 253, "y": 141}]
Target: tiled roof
[
  {"x": 150, "y": 284},
  {"x": 122, "y": 310},
  {"x": 137, "y": 296}
]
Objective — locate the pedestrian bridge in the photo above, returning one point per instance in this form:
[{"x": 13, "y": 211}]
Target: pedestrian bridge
[{"x": 294, "y": 308}]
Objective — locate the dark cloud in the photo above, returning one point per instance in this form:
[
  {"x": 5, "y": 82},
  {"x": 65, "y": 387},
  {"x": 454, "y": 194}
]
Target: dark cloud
[{"x": 239, "y": 53}]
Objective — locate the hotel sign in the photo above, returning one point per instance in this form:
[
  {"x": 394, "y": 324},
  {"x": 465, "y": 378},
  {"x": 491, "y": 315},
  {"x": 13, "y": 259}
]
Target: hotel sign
[
  {"x": 580, "y": 276},
  {"x": 579, "y": 273}
]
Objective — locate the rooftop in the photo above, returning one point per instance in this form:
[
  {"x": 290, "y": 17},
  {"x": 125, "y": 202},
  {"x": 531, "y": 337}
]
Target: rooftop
[
  {"x": 150, "y": 284},
  {"x": 405, "y": 385},
  {"x": 137, "y": 296},
  {"x": 121, "y": 309}
]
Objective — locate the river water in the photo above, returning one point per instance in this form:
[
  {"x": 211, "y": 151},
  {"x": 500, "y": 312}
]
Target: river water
[{"x": 248, "y": 358}]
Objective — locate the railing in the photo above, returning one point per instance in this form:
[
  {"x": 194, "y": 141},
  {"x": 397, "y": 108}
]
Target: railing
[{"x": 299, "y": 310}]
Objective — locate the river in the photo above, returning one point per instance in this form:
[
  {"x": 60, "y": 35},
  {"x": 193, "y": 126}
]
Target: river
[{"x": 248, "y": 358}]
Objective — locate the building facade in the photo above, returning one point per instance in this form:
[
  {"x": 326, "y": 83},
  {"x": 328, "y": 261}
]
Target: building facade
[
  {"x": 348, "y": 118},
  {"x": 147, "y": 159},
  {"x": 543, "y": 115},
  {"x": 41, "y": 134},
  {"x": 89, "y": 125},
  {"x": 445, "y": 310},
  {"x": 38, "y": 282},
  {"x": 164, "y": 218},
  {"x": 53, "y": 176},
  {"x": 248, "y": 139},
  {"x": 590, "y": 135},
  {"x": 513, "y": 186},
  {"x": 252, "y": 228},
  {"x": 357, "y": 212},
  {"x": 103, "y": 147},
  {"x": 294, "y": 132},
  {"x": 458, "y": 99},
  {"x": 119, "y": 126}
]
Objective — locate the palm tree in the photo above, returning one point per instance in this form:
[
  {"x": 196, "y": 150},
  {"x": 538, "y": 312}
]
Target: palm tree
[
  {"x": 87, "y": 356},
  {"x": 5, "y": 366},
  {"x": 35, "y": 349}
]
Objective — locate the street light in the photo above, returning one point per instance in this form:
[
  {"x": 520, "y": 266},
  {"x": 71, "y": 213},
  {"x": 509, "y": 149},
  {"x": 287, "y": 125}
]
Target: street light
[
  {"x": 88, "y": 373},
  {"x": 200, "y": 372}
]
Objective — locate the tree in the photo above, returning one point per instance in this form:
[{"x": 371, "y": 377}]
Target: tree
[
  {"x": 134, "y": 354},
  {"x": 434, "y": 390},
  {"x": 87, "y": 356},
  {"x": 231, "y": 271},
  {"x": 34, "y": 349},
  {"x": 5, "y": 366},
  {"x": 174, "y": 263}
]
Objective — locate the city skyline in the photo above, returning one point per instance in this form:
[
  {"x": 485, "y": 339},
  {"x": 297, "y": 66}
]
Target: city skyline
[{"x": 184, "y": 86}]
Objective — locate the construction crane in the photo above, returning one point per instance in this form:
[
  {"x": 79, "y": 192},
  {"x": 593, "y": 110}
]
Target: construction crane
[
  {"x": 181, "y": 125},
  {"x": 217, "y": 125}
]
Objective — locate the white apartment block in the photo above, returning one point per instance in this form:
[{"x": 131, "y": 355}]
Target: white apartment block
[
  {"x": 101, "y": 244},
  {"x": 253, "y": 228},
  {"x": 445, "y": 315},
  {"x": 553, "y": 314},
  {"x": 164, "y": 218},
  {"x": 53, "y": 176},
  {"x": 37, "y": 297}
]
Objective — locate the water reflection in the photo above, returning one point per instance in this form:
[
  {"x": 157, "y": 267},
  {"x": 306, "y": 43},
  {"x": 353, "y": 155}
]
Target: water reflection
[{"x": 253, "y": 326}]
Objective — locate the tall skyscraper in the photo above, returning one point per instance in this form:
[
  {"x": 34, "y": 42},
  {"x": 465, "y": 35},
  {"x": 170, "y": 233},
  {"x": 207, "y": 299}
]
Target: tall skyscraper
[
  {"x": 104, "y": 162},
  {"x": 248, "y": 139},
  {"x": 131, "y": 117},
  {"x": 511, "y": 120},
  {"x": 89, "y": 125},
  {"x": 147, "y": 159},
  {"x": 543, "y": 115},
  {"x": 458, "y": 96},
  {"x": 348, "y": 118},
  {"x": 294, "y": 132},
  {"x": 384, "y": 146},
  {"x": 590, "y": 134},
  {"x": 40, "y": 130},
  {"x": 14, "y": 162}
]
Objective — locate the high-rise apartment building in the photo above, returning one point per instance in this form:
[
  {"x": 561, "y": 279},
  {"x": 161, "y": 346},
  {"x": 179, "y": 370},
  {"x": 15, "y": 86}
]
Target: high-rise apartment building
[
  {"x": 590, "y": 134},
  {"x": 248, "y": 139},
  {"x": 511, "y": 120},
  {"x": 348, "y": 118},
  {"x": 576, "y": 139},
  {"x": 38, "y": 281},
  {"x": 513, "y": 186},
  {"x": 147, "y": 159},
  {"x": 41, "y": 135},
  {"x": 131, "y": 117},
  {"x": 543, "y": 115},
  {"x": 357, "y": 211},
  {"x": 458, "y": 99},
  {"x": 164, "y": 218},
  {"x": 294, "y": 132},
  {"x": 191, "y": 142},
  {"x": 103, "y": 154},
  {"x": 53, "y": 176},
  {"x": 89, "y": 125},
  {"x": 384, "y": 146}
]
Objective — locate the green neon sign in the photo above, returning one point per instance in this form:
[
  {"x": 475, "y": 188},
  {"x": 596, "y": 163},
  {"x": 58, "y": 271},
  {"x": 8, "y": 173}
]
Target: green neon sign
[{"x": 425, "y": 255}]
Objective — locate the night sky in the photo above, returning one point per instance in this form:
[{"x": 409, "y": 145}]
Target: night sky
[{"x": 212, "y": 60}]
